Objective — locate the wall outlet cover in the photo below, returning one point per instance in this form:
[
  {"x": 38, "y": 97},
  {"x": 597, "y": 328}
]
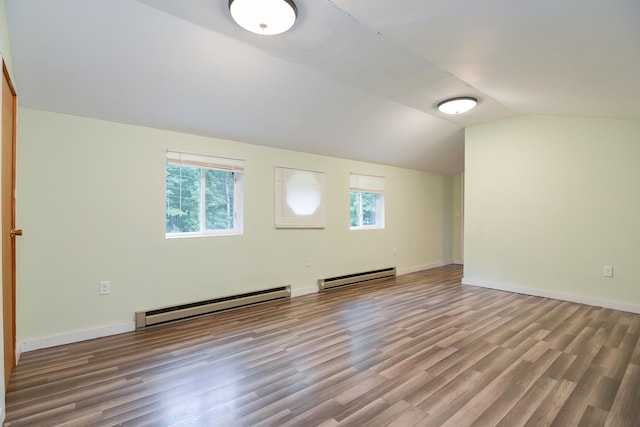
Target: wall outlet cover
[{"x": 105, "y": 287}]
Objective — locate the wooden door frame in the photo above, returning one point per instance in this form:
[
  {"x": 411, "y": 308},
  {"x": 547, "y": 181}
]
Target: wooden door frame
[{"x": 12, "y": 316}]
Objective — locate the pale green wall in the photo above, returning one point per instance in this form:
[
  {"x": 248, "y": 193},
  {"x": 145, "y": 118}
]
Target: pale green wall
[
  {"x": 458, "y": 217},
  {"x": 91, "y": 203},
  {"x": 549, "y": 201}
]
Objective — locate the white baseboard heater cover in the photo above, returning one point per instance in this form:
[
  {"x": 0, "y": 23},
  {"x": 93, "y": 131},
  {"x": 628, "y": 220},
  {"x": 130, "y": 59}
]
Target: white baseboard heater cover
[
  {"x": 351, "y": 279},
  {"x": 185, "y": 311}
]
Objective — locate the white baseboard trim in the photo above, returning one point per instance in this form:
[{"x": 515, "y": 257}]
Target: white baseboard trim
[
  {"x": 36, "y": 344},
  {"x": 408, "y": 270},
  {"x": 616, "y": 305}
]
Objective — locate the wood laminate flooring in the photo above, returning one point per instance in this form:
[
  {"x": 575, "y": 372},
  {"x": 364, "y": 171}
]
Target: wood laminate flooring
[{"x": 416, "y": 350}]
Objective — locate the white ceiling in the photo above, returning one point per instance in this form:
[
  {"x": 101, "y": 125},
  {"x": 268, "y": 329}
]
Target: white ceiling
[{"x": 356, "y": 79}]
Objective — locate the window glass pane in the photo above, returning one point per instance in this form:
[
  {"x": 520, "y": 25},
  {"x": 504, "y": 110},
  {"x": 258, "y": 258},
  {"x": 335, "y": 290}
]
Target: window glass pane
[
  {"x": 219, "y": 207},
  {"x": 354, "y": 204},
  {"x": 369, "y": 208},
  {"x": 183, "y": 199},
  {"x": 366, "y": 210},
  {"x": 203, "y": 195}
]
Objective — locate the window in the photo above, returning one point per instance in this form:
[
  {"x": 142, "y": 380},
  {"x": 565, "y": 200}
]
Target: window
[
  {"x": 204, "y": 195},
  {"x": 366, "y": 202},
  {"x": 299, "y": 198}
]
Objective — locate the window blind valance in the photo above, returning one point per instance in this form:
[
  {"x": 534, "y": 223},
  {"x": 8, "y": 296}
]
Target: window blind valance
[
  {"x": 367, "y": 183},
  {"x": 204, "y": 161}
]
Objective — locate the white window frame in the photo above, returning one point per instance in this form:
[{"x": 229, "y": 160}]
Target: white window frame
[
  {"x": 368, "y": 184},
  {"x": 204, "y": 162}
]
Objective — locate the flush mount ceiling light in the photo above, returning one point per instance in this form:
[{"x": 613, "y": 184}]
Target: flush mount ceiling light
[
  {"x": 458, "y": 105},
  {"x": 264, "y": 17}
]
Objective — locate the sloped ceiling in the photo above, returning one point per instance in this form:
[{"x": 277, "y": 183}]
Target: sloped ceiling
[{"x": 356, "y": 79}]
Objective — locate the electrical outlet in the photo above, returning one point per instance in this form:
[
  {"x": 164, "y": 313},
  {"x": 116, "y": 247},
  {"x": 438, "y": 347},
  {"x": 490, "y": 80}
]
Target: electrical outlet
[
  {"x": 394, "y": 251},
  {"x": 308, "y": 262},
  {"x": 105, "y": 287},
  {"x": 607, "y": 271}
]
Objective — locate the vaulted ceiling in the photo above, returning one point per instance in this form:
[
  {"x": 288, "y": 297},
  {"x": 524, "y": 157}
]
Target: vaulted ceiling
[{"x": 356, "y": 79}]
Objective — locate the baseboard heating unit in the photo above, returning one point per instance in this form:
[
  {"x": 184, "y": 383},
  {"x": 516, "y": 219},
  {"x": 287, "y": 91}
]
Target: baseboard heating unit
[
  {"x": 351, "y": 279},
  {"x": 185, "y": 311}
]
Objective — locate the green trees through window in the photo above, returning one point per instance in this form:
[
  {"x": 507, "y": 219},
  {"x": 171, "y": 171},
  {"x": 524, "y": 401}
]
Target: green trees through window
[
  {"x": 364, "y": 209},
  {"x": 200, "y": 199},
  {"x": 366, "y": 201}
]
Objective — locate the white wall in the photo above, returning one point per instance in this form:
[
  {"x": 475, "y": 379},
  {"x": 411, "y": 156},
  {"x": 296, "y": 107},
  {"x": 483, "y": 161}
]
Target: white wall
[
  {"x": 91, "y": 201},
  {"x": 548, "y": 202}
]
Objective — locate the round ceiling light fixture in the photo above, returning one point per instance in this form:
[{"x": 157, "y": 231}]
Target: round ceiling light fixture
[
  {"x": 264, "y": 17},
  {"x": 457, "y": 105}
]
